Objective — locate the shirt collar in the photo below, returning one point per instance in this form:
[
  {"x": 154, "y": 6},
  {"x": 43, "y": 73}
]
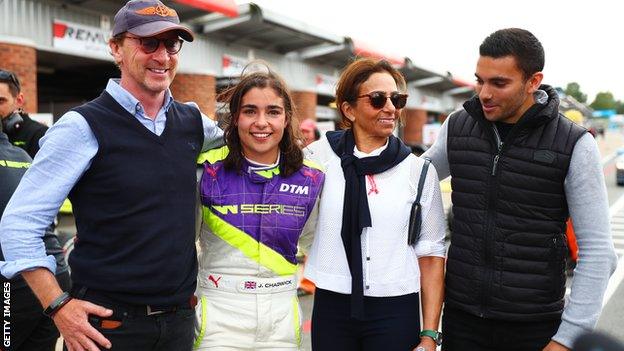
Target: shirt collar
[
  {"x": 128, "y": 101},
  {"x": 361, "y": 154}
]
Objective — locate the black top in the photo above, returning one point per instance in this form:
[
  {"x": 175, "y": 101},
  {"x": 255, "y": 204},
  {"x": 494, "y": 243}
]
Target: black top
[
  {"x": 13, "y": 164},
  {"x": 135, "y": 206},
  {"x": 503, "y": 129},
  {"x": 27, "y": 135}
]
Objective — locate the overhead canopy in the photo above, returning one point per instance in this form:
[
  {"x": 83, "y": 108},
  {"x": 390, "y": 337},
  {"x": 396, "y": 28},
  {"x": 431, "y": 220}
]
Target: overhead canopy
[
  {"x": 418, "y": 77},
  {"x": 413, "y": 73},
  {"x": 339, "y": 55},
  {"x": 336, "y": 55},
  {"x": 262, "y": 29}
]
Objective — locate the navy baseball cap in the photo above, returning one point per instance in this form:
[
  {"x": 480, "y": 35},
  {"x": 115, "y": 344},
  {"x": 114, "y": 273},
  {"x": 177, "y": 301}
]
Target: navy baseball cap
[{"x": 147, "y": 18}]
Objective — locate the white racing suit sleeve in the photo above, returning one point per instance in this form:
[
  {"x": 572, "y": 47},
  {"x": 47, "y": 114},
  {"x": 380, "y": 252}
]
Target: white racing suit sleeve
[{"x": 307, "y": 236}]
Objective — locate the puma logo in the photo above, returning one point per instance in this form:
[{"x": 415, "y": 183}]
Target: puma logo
[
  {"x": 312, "y": 175},
  {"x": 212, "y": 171},
  {"x": 214, "y": 281}
]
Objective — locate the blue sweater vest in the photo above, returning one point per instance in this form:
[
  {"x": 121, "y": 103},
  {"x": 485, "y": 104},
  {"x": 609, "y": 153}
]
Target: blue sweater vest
[{"x": 135, "y": 206}]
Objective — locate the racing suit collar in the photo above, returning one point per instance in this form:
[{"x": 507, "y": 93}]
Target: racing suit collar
[{"x": 261, "y": 173}]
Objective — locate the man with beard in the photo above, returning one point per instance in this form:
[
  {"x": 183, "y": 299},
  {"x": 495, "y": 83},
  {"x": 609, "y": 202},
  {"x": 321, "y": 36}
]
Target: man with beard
[{"x": 519, "y": 170}]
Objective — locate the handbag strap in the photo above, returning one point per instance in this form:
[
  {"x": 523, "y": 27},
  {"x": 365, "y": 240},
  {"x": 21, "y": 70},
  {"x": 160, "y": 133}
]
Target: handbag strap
[
  {"x": 415, "y": 214},
  {"x": 423, "y": 176}
]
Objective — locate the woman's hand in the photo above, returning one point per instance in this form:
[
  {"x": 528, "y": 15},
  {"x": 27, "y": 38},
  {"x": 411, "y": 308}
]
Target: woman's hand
[{"x": 426, "y": 344}]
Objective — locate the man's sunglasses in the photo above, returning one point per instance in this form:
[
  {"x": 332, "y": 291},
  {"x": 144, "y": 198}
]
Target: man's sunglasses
[
  {"x": 378, "y": 99},
  {"x": 9, "y": 78},
  {"x": 150, "y": 44}
]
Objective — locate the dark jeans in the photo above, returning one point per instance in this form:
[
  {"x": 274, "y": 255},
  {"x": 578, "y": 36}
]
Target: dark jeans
[
  {"x": 30, "y": 329},
  {"x": 464, "y": 331},
  {"x": 133, "y": 330},
  {"x": 390, "y": 323}
]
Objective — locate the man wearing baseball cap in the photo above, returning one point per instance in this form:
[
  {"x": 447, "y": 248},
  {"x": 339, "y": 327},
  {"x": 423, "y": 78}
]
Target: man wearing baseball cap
[{"x": 127, "y": 162}]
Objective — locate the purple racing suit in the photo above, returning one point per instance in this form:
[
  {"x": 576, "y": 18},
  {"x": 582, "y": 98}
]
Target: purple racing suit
[{"x": 251, "y": 224}]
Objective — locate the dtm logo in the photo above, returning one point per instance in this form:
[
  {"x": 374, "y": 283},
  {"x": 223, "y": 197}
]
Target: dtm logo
[{"x": 294, "y": 189}]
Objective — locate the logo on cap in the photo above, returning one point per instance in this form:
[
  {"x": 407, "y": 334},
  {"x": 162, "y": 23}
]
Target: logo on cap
[
  {"x": 146, "y": 18},
  {"x": 160, "y": 10}
]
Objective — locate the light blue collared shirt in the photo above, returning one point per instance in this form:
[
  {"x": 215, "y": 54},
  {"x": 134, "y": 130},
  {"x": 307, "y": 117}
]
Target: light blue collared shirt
[{"x": 67, "y": 150}]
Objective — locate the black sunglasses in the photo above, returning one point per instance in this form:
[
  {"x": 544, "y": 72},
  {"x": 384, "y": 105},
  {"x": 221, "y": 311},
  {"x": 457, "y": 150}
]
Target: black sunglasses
[
  {"x": 150, "y": 44},
  {"x": 378, "y": 99},
  {"x": 9, "y": 77}
]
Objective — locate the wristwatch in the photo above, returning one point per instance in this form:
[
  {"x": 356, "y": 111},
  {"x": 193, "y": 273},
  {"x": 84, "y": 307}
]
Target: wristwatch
[
  {"x": 434, "y": 334},
  {"x": 57, "y": 304}
]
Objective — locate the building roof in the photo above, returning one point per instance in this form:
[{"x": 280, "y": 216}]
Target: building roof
[
  {"x": 418, "y": 77},
  {"x": 263, "y": 29}
]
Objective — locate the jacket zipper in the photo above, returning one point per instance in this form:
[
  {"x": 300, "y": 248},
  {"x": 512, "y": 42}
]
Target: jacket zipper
[
  {"x": 489, "y": 233},
  {"x": 499, "y": 146}
]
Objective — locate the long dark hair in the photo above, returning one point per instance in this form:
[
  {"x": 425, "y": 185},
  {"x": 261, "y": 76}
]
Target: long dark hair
[{"x": 291, "y": 158}]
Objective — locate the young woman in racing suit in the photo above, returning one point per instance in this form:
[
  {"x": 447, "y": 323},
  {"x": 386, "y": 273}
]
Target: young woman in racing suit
[{"x": 257, "y": 193}]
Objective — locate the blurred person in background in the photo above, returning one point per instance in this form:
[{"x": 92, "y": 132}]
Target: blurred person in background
[
  {"x": 23, "y": 131},
  {"x": 309, "y": 131},
  {"x": 30, "y": 329}
]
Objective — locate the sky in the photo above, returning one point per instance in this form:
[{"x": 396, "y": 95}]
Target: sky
[{"x": 582, "y": 39}]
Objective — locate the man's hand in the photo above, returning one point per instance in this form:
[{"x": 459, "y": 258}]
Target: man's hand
[
  {"x": 72, "y": 320},
  {"x": 555, "y": 346},
  {"x": 73, "y": 324},
  {"x": 426, "y": 344}
]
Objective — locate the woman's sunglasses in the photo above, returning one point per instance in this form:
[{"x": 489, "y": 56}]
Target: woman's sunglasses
[
  {"x": 150, "y": 44},
  {"x": 378, "y": 99}
]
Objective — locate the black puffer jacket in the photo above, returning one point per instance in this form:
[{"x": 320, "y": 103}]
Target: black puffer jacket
[
  {"x": 13, "y": 164},
  {"x": 507, "y": 255}
]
